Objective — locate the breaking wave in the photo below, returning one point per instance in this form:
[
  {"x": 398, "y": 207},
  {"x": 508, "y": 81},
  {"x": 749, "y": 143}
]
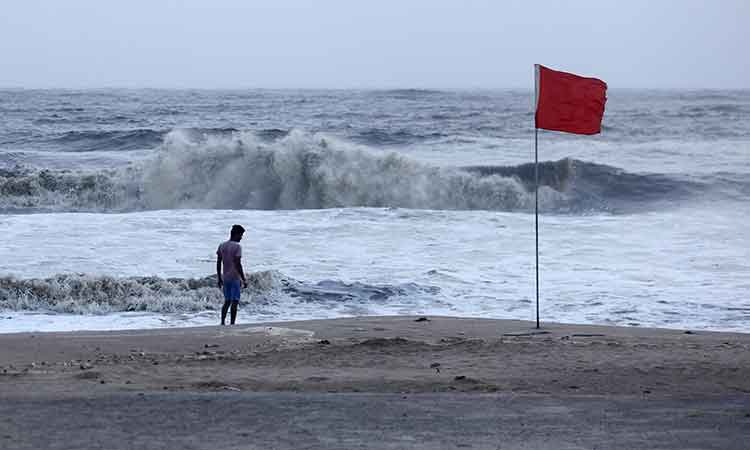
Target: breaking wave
[
  {"x": 229, "y": 169},
  {"x": 90, "y": 294},
  {"x": 598, "y": 187}
]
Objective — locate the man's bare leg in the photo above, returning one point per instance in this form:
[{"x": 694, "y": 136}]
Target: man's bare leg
[
  {"x": 224, "y": 310},
  {"x": 234, "y": 311}
]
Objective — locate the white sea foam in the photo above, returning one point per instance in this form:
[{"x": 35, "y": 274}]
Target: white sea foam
[
  {"x": 642, "y": 269},
  {"x": 92, "y": 294}
]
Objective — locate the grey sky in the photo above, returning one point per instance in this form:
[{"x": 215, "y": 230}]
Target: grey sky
[{"x": 375, "y": 43}]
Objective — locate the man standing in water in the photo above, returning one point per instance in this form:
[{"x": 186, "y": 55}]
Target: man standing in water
[{"x": 230, "y": 253}]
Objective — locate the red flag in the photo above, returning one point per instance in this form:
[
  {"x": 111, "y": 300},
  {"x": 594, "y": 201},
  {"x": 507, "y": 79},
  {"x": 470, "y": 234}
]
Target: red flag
[{"x": 568, "y": 102}]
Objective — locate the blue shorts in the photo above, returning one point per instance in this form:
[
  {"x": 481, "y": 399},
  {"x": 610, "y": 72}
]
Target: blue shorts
[{"x": 232, "y": 290}]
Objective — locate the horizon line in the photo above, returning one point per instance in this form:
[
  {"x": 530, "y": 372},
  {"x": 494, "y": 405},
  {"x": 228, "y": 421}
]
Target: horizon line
[{"x": 350, "y": 88}]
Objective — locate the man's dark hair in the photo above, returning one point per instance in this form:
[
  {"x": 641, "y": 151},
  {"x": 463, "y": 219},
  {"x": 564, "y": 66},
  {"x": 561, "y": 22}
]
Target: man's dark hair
[{"x": 237, "y": 229}]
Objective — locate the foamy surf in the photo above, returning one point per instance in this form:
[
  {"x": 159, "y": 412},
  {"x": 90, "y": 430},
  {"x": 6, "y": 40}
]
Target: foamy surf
[{"x": 97, "y": 294}]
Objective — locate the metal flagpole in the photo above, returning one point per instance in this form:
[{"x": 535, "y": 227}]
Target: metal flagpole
[
  {"x": 536, "y": 185},
  {"x": 536, "y": 215}
]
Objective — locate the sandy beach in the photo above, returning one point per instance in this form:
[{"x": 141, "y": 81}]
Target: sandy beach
[{"x": 584, "y": 386}]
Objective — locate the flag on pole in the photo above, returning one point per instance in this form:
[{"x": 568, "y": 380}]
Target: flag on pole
[{"x": 568, "y": 102}]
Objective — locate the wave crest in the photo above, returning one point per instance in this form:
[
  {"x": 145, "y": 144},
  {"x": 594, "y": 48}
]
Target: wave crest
[
  {"x": 298, "y": 170},
  {"x": 92, "y": 294},
  {"x": 89, "y": 294},
  {"x": 246, "y": 171},
  {"x": 306, "y": 171}
]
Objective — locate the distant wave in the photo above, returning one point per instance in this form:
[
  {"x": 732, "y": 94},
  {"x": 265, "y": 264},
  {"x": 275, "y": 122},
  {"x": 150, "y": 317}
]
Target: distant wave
[
  {"x": 382, "y": 137},
  {"x": 124, "y": 140},
  {"x": 118, "y": 140},
  {"x": 90, "y": 294},
  {"x": 298, "y": 170},
  {"x": 408, "y": 93},
  {"x": 705, "y": 111},
  {"x": 83, "y": 141},
  {"x": 591, "y": 186}
]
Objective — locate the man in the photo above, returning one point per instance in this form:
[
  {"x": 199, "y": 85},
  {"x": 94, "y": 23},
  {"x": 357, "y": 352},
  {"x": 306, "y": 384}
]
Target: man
[{"x": 230, "y": 254}]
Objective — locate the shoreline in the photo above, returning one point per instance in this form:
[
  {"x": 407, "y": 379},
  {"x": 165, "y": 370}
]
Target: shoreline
[
  {"x": 502, "y": 324},
  {"x": 245, "y": 322}
]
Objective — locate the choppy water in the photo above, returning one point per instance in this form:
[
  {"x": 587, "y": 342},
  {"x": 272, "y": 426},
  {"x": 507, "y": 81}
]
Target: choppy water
[{"x": 370, "y": 202}]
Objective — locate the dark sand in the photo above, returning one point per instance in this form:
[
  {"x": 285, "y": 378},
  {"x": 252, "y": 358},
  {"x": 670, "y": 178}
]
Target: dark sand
[{"x": 376, "y": 382}]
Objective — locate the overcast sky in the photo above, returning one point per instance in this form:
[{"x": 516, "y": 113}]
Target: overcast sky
[{"x": 372, "y": 43}]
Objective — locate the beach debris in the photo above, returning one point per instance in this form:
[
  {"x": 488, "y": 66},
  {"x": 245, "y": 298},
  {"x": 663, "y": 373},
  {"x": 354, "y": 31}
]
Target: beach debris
[
  {"x": 689, "y": 332},
  {"x": 318, "y": 379},
  {"x": 86, "y": 366},
  {"x": 231, "y": 388},
  {"x": 587, "y": 335},
  {"x": 210, "y": 345},
  {"x": 435, "y": 366},
  {"x": 422, "y": 319},
  {"x": 525, "y": 333},
  {"x": 324, "y": 342},
  {"x": 468, "y": 380},
  {"x": 384, "y": 342},
  {"x": 452, "y": 340},
  {"x": 89, "y": 375}
]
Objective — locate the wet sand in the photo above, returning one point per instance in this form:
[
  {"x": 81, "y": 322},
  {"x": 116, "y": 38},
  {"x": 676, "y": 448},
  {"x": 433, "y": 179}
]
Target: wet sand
[{"x": 582, "y": 386}]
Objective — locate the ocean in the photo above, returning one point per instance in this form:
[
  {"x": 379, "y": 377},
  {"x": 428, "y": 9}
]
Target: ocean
[{"x": 372, "y": 202}]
